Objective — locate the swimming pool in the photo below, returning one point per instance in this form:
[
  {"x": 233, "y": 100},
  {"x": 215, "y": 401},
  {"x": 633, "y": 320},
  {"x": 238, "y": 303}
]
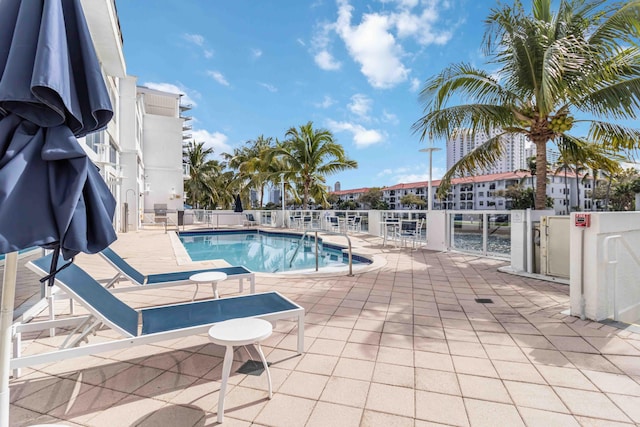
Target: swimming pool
[{"x": 266, "y": 252}]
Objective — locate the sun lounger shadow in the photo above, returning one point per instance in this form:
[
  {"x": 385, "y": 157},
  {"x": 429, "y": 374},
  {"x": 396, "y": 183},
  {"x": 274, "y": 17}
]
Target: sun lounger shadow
[{"x": 141, "y": 326}]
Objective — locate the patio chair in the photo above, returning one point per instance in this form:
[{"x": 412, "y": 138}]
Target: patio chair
[
  {"x": 127, "y": 271},
  {"x": 408, "y": 231},
  {"x": 158, "y": 323},
  {"x": 354, "y": 224},
  {"x": 334, "y": 224},
  {"x": 250, "y": 220}
]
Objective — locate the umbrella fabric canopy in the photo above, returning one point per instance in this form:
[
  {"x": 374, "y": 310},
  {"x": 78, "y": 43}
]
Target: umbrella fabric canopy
[
  {"x": 51, "y": 90},
  {"x": 51, "y": 194},
  {"x": 238, "y": 204}
]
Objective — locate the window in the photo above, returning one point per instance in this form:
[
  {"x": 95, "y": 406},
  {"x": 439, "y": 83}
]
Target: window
[{"x": 481, "y": 203}]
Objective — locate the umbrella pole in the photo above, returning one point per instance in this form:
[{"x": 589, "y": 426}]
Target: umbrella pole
[{"x": 6, "y": 320}]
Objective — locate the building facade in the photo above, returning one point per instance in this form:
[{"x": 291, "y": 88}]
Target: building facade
[
  {"x": 515, "y": 146},
  {"x": 139, "y": 153},
  {"x": 486, "y": 192}
]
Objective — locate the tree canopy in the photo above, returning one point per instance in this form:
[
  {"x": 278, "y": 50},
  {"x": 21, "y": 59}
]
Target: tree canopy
[{"x": 576, "y": 64}]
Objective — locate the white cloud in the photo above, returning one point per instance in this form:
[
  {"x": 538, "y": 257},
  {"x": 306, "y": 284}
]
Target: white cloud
[
  {"x": 217, "y": 76},
  {"x": 362, "y": 137},
  {"x": 402, "y": 176},
  {"x": 326, "y": 61},
  {"x": 256, "y": 53},
  {"x": 199, "y": 41},
  {"x": 187, "y": 95},
  {"x": 375, "y": 42},
  {"x": 215, "y": 140},
  {"x": 269, "y": 87},
  {"x": 390, "y": 117},
  {"x": 415, "y": 85},
  {"x": 372, "y": 45},
  {"x": 327, "y": 102},
  {"x": 385, "y": 172},
  {"x": 361, "y": 106},
  {"x": 196, "y": 39}
]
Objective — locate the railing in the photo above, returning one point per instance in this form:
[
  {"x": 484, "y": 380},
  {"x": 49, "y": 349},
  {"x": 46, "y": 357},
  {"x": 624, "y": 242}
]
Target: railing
[
  {"x": 485, "y": 233},
  {"x": 611, "y": 258},
  {"x": 482, "y": 232},
  {"x": 349, "y": 250}
]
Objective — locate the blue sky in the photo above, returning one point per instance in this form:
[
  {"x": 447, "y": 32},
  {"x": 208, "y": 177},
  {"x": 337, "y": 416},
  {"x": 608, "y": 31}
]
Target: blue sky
[{"x": 254, "y": 68}]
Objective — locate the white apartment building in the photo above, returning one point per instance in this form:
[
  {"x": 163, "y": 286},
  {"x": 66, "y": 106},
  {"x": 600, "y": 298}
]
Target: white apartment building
[
  {"x": 140, "y": 151},
  {"x": 485, "y": 192},
  {"x": 515, "y": 150}
]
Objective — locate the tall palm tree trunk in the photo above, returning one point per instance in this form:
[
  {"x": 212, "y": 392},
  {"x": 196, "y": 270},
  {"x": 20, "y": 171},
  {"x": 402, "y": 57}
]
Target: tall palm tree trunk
[
  {"x": 541, "y": 173},
  {"x": 566, "y": 191}
]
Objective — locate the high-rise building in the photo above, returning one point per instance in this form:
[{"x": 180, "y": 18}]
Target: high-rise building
[
  {"x": 513, "y": 158},
  {"x": 337, "y": 186}
]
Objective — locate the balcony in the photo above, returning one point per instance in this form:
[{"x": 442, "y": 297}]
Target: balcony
[{"x": 186, "y": 171}]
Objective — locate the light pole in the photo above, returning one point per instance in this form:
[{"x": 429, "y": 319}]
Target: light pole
[
  {"x": 430, "y": 150},
  {"x": 282, "y": 198}
]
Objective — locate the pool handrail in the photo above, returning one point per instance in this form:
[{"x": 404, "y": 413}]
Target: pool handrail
[{"x": 349, "y": 251}]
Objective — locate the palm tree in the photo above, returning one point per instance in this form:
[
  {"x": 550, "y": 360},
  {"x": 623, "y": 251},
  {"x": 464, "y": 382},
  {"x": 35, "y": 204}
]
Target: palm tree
[
  {"x": 250, "y": 162},
  {"x": 581, "y": 59},
  {"x": 307, "y": 156},
  {"x": 201, "y": 171}
]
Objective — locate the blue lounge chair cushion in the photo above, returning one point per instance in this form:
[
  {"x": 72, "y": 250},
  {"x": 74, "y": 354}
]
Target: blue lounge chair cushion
[
  {"x": 124, "y": 266},
  {"x": 162, "y": 319},
  {"x": 181, "y": 276},
  {"x": 87, "y": 288},
  {"x": 178, "y": 276}
]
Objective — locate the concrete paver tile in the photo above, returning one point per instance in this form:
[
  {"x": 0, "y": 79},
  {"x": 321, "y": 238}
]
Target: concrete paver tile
[
  {"x": 541, "y": 418},
  {"x": 391, "y": 399},
  {"x": 330, "y": 414},
  {"x": 491, "y": 414},
  {"x": 441, "y": 408},
  {"x": 354, "y": 369},
  {"x": 286, "y": 410},
  {"x": 536, "y": 396},
  {"x": 346, "y": 391},
  {"x": 590, "y": 404},
  {"x": 483, "y": 388},
  {"x": 380, "y": 419}
]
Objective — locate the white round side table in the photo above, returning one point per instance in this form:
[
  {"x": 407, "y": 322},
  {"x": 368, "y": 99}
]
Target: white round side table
[
  {"x": 212, "y": 277},
  {"x": 236, "y": 332}
]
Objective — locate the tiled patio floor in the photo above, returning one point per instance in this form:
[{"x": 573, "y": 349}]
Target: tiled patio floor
[{"x": 403, "y": 345}]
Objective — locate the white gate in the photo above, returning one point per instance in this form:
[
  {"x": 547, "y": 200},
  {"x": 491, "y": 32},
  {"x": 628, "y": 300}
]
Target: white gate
[{"x": 554, "y": 246}]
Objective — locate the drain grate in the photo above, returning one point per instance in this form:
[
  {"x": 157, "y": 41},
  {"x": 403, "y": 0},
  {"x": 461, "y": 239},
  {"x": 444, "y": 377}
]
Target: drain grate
[
  {"x": 252, "y": 367},
  {"x": 484, "y": 300}
]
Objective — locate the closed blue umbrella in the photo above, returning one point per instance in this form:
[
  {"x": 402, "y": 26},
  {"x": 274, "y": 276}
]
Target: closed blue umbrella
[
  {"x": 238, "y": 204},
  {"x": 51, "y": 92}
]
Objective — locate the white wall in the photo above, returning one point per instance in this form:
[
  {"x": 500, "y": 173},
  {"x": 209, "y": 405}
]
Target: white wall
[
  {"x": 604, "y": 291},
  {"x": 129, "y": 157},
  {"x": 163, "y": 161}
]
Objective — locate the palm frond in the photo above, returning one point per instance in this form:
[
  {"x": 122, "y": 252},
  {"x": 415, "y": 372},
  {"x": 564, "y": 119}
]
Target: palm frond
[
  {"x": 622, "y": 24},
  {"x": 443, "y": 122},
  {"x": 613, "y": 136},
  {"x": 483, "y": 156}
]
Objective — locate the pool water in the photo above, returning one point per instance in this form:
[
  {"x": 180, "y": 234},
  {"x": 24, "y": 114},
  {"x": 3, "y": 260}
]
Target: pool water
[{"x": 264, "y": 252}]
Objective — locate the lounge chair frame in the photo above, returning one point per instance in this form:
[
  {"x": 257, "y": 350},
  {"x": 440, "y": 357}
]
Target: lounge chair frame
[
  {"x": 127, "y": 271},
  {"x": 79, "y": 285}
]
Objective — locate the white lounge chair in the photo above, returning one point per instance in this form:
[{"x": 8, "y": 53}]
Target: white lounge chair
[{"x": 158, "y": 323}]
